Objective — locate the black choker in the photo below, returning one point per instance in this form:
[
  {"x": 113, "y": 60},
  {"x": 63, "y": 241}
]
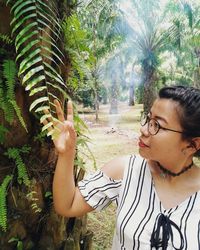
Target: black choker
[{"x": 168, "y": 172}]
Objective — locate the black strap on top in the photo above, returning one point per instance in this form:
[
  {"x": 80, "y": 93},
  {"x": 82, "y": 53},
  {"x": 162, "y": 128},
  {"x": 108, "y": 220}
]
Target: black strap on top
[{"x": 162, "y": 232}]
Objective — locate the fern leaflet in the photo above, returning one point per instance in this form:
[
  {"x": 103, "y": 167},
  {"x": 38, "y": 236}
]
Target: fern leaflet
[
  {"x": 14, "y": 154},
  {"x": 3, "y": 207},
  {"x": 7, "y": 93}
]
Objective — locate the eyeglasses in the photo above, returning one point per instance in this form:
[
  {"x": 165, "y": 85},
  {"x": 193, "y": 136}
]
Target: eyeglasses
[{"x": 153, "y": 125}]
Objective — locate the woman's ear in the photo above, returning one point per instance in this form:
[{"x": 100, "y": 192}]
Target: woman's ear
[
  {"x": 192, "y": 146},
  {"x": 195, "y": 143}
]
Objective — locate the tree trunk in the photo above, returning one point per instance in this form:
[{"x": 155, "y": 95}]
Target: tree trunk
[
  {"x": 96, "y": 99},
  {"x": 114, "y": 97},
  {"x": 197, "y": 77},
  {"x": 131, "y": 95},
  {"x": 149, "y": 94}
]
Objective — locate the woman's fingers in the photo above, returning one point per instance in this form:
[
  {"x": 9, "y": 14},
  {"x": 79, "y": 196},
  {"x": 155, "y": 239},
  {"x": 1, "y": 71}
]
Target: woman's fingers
[
  {"x": 70, "y": 113},
  {"x": 70, "y": 128},
  {"x": 57, "y": 126},
  {"x": 59, "y": 111}
]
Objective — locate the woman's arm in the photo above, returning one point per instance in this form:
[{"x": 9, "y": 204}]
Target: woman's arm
[{"x": 67, "y": 198}]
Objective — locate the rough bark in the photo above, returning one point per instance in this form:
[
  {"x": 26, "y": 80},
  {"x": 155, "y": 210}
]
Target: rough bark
[
  {"x": 114, "y": 97},
  {"x": 149, "y": 89}
]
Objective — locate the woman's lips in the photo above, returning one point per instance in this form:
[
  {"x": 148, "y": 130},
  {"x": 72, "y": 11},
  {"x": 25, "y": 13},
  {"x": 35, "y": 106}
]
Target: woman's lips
[{"x": 142, "y": 144}]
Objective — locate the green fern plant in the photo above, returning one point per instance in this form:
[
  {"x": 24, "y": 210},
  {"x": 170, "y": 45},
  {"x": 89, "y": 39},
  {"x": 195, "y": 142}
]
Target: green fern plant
[
  {"x": 5, "y": 38},
  {"x": 31, "y": 197},
  {"x": 7, "y": 89},
  {"x": 3, "y": 131},
  {"x": 7, "y": 94},
  {"x": 3, "y": 207},
  {"x": 15, "y": 154},
  {"x": 36, "y": 31}
]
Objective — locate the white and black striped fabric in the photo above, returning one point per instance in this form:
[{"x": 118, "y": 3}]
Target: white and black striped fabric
[
  {"x": 99, "y": 190},
  {"x": 139, "y": 207}
]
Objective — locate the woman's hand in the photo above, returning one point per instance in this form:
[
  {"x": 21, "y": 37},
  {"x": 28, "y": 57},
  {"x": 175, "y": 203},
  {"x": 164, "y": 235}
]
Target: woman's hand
[{"x": 64, "y": 137}]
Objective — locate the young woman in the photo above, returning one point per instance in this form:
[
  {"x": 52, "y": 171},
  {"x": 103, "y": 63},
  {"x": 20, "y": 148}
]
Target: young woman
[{"x": 156, "y": 192}]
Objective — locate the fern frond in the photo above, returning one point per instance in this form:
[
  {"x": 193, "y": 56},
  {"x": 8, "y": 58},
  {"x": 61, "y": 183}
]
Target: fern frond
[
  {"x": 28, "y": 61},
  {"x": 8, "y": 103},
  {"x": 19, "y": 115},
  {"x": 3, "y": 131},
  {"x": 3, "y": 206},
  {"x": 32, "y": 197},
  {"x": 9, "y": 73},
  {"x": 37, "y": 30},
  {"x": 14, "y": 154},
  {"x": 22, "y": 172},
  {"x": 8, "y": 110},
  {"x": 37, "y": 101},
  {"x": 5, "y": 38}
]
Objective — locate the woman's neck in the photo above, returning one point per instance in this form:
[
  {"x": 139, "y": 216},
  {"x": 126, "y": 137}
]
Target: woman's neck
[{"x": 171, "y": 172}]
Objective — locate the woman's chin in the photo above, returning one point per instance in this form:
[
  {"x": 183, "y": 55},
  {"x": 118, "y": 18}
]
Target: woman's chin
[{"x": 143, "y": 154}]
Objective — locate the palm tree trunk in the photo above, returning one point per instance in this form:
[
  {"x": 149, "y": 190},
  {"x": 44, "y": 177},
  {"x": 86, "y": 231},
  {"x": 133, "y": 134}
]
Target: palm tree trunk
[
  {"x": 114, "y": 98},
  {"x": 149, "y": 90},
  {"x": 131, "y": 95}
]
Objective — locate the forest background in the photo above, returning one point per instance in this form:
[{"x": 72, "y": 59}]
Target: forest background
[{"x": 99, "y": 53}]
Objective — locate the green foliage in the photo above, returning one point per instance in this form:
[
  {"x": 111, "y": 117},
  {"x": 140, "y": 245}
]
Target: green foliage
[
  {"x": 49, "y": 195},
  {"x": 18, "y": 241},
  {"x": 104, "y": 23},
  {"x": 34, "y": 205},
  {"x": 7, "y": 94},
  {"x": 36, "y": 31},
  {"x": 3, "y": 207},
  {"x": 184, "y": 41},
  {"x": 5, "y": 39},
  {"x": 79, "y": 53},
  {"x": 15, "y": 154},
  {"x": 3, "y": 131},
  {"x": 82, "y": 142},
  {"x": 139, "y": 92}
]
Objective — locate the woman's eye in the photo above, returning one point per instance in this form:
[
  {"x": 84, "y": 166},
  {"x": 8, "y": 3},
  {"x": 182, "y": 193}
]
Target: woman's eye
[{"x": 156, "y": 125}]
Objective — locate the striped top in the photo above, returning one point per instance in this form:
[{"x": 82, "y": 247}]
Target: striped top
[{"x": 142, "y": 222}]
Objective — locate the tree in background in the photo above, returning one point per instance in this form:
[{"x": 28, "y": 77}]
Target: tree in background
[
  {"x": 102, "y": 19},
  {"x": 146, "y": 40},
  {"x": 184, "y": 40}
]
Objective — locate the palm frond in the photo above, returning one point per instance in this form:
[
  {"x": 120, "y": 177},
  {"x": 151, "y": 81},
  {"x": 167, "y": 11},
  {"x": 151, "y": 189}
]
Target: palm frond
[{"x": 36, "y": 30}]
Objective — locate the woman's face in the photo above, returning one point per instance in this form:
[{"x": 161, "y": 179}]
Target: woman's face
[{"x": 165, "y": 146}]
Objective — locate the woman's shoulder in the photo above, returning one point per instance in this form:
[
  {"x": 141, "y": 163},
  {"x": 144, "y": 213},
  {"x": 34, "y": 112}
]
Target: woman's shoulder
[{"x": 116, "y": 167}]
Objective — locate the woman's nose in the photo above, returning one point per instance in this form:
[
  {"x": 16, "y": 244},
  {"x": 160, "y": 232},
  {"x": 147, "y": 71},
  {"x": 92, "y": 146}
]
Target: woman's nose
[{"x": 144, "y": 130}]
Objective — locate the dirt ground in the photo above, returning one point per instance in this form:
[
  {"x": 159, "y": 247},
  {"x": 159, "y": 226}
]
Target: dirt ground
[{"x": 113, "y": 135}]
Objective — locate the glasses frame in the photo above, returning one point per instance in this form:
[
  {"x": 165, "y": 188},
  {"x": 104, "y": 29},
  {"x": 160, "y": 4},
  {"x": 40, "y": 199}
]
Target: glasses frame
[{"x": 145, "y": 119}]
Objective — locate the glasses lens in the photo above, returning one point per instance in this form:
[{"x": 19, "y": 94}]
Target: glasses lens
[
  {"x": 143, "y": 119},
  {"x": 153, "y": 127}
]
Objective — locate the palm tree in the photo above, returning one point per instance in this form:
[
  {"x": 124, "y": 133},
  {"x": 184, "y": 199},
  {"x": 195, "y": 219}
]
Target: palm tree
[
  {"x": 103, "y": 22},
  {"x": 146, "y": 40},
  {"x": 184, "y": 36}
]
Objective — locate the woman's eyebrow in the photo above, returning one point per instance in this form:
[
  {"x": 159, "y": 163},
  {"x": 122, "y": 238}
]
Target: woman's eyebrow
[{"x": 157, "y": 117}]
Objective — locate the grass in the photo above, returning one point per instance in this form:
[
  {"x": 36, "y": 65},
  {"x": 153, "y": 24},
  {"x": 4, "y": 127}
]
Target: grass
[{"x": 111, "y": 136}]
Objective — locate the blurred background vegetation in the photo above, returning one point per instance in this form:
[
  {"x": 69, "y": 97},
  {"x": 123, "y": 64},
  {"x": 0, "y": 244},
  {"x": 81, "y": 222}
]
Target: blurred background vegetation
[{"x": 99, "y": 53}]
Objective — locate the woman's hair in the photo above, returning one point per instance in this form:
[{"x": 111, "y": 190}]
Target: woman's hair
[{"x": 188, "y": 99}]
